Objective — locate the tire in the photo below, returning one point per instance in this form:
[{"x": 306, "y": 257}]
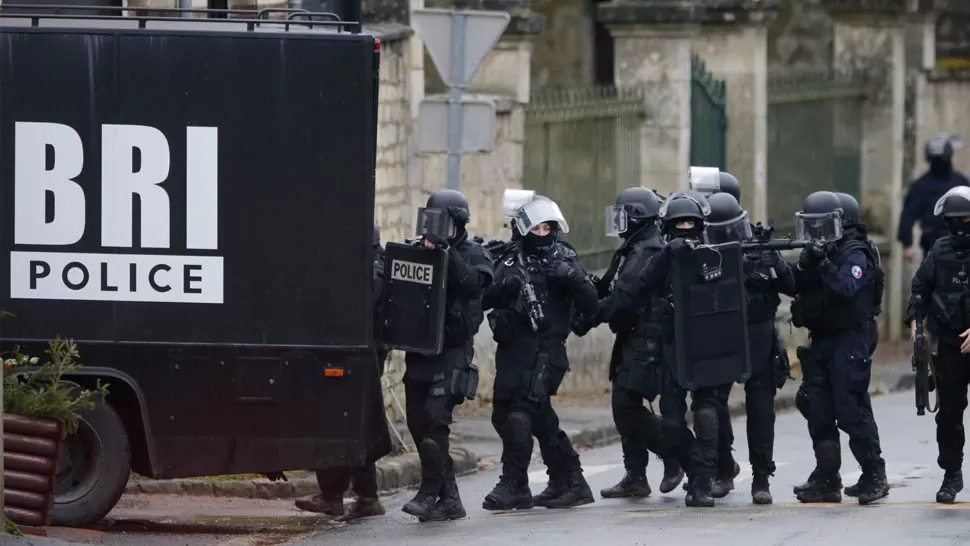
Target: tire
[{"x": 93, "y": 469}]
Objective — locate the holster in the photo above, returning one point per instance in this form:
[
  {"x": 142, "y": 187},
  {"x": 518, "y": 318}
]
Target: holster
[
  {"x": 644, "y": 374},
  {"x": 464, "y": 383},
  {"x": 780, "y": 365},
  {"x": 809, "y": 369}
]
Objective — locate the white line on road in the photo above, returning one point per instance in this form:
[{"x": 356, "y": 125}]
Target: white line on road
[{"x": 540, "y": 476}]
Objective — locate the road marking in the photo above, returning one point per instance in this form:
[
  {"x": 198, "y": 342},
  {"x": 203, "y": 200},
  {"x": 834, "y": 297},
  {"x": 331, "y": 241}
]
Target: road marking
[{"x": 540, "y": 476}]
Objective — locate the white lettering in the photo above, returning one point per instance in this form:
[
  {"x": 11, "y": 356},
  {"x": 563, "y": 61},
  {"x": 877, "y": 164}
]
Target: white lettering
[
  {"x": 32, "y": 181},
  {"x": 412, "y": 272},
  {"x": 116, "y": 277},
  {"x": 120, "y": 182},
  {"x": 202, "y": 187}
]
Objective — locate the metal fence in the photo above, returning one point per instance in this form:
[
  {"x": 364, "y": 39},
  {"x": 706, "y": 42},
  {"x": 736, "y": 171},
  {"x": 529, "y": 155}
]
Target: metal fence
[
  {"x": 581, "y": 147},
  {"x": 708, "y": 118},
  {"x": 814, "y": 139}
]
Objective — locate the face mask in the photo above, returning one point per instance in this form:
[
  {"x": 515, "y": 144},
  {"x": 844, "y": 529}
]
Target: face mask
[{"x": 531, "y": 241}]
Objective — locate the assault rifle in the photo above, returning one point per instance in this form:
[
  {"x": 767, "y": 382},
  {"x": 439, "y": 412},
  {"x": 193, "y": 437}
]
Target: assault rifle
[
  {"x": 763, "y": 240},
  {"x": 923, "y": 365},
  {"x": 533, "y": 305}
]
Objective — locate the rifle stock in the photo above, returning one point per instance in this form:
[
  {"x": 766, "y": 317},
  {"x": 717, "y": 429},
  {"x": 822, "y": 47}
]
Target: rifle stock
[{"x": 923, "y": 366}]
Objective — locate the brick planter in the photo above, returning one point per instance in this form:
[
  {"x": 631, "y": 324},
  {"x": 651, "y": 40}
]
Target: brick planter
[{"x": 31, "y": 450}]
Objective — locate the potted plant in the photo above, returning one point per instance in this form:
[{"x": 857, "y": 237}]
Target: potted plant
[{"x": 40, "y": 407}]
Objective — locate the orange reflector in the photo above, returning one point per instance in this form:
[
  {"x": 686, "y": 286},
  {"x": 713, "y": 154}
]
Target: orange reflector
[{"x": 333, "y": 372}]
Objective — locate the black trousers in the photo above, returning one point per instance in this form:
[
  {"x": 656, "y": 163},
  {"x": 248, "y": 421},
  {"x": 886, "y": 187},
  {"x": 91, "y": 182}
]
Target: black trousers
[
  {"x": 759, "y": 404},
  {"x": 430, "y": 416},
  {"x": 697, "y": 452},
  {"x": 641, "y": 430},
  {"x": 953, "y": 376},
  {"x": 517, "y": 421},
  {"x": 334, "y": 482}
]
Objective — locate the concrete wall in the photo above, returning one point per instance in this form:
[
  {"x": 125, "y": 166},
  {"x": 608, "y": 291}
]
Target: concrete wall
[{"x": 945, "y": 109}]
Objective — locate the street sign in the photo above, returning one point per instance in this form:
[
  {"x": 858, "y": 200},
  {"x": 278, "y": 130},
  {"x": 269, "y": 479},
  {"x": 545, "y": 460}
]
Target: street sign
[
  {"x": 477, "y": 125},
  {"x": 437, "y": 28}
]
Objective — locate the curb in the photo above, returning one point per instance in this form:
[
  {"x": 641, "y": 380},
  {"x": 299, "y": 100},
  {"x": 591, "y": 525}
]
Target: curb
[{"x": 392, "y": 473}]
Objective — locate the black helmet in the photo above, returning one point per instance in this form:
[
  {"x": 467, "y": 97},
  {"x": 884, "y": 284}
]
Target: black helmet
[
  {"x": 445, "y": 215},
  {"x": 684, "y": 205},
  {"x": 729, "y": 184},
  {"x": 377, "y": 234},
  {"x": 727, "y": 220},
  {"x": 941, "y": 147},
  {"x": 634, "y": 208},
  {"x": 851, "y": 215},
  {"x": 954, "y": 205},
  {"x": 820, "y": 217}
]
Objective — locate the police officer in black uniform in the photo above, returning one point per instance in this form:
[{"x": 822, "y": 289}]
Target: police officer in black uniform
[
  {"x": 839, "y": 283},
  {"x": 766, "y": 275},
  {"x": 682, "y": 216},
  {"x": 941, "y": 294},
  {"x": 636, "y": 364},
  {"x": 430, "y": 381},
  {"x": 926, "y": 191},
  {"x": 537, "y": 281},
  {"x": 334, "y": 482}
]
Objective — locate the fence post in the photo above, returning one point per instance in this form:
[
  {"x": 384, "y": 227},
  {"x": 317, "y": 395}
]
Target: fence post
[
  {"x": 652, "y": 43},
  {"x": 876, "y": 43},
  {"x": 734, "y": 43}
]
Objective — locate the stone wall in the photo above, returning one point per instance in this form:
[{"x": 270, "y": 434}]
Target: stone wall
[
  {"x": 563, "y": 55},
  {"x": 944, "y": 109}
]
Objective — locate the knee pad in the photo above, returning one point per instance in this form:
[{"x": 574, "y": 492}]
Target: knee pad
[
  {"x": 518, "y": 428},
  {"x": 705, "y": 423}
]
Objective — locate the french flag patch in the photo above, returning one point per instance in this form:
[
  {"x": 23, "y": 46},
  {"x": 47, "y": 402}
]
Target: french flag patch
[{"x": 857, "y": 272}]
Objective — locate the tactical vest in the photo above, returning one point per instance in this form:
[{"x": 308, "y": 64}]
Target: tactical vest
[
  {"x": 820, "y": 309},
  {"x": 950, "y": 301},
  {"x": 465, "y": 316},
  {"x": 645, "y": 321}
]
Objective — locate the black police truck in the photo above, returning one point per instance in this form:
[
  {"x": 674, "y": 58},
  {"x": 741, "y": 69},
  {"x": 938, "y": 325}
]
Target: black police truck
[{"x": 189, "y": 196}]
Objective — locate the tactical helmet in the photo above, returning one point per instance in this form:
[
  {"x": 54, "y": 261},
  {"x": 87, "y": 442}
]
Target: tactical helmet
[
  {"x": 941, "y": 147},
  {"x": 729, "y": 184},
  {"x": 820, "y": 218},
  {"x": 634, "y": 207},
  {"x": 850, "y": 209},
  {"x": 445, "y": 215},
  {"x": 684, "y": 205},
  {"x": 954, "y": 206},
  {"x": 727, "y": 220}
]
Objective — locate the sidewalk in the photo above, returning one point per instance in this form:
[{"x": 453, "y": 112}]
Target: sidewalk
[{"x": 588, "y": 421}]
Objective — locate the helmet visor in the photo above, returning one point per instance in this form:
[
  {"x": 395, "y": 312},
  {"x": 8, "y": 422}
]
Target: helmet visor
[
  {"x": 825, "y": 227},
  {"x": 513, "y": 200},
  {"x": 738, "y": 229},
  {"x": 537, "y": 212},
  {"x": 435, "y": 221},
  {"x": 706, "y": 180},
  {"x": 617, "y": 220}
]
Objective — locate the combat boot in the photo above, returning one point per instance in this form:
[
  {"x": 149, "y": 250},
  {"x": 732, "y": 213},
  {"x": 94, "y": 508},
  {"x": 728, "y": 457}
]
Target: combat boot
[
  {"x": 853, "y": 490},
  {"x": 577, "y": 492},
  {"x": 815, "y": 476},
  {"x": 633, "y": 485},
  {"x": 509, "y": 494},
  {"x": 673, "y": 475},
  {"x": 557, "y": 485},
  {"x": 760, "y": 492},
  {"x": 449, "y": 506},
  {"x": 822, "y": 490},
  {"x": 331, "y": 505},
  {"x": 873, "y": 484},
  {"x": 952, "y": 484},
  {"x": 725, "y": 484},
  {"x": 431, "y": 468},
  {"x": 699, "y": 492},
  {"x": 364, "y": 508}
]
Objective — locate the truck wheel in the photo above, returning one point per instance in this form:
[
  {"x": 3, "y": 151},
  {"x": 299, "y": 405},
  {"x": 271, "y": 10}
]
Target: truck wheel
[{"x": 93, "y": 469}]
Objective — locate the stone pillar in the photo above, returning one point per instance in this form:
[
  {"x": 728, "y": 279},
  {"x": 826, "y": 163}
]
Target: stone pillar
[
  {"x": 734, "y": 44},
  {"x": 870, "y": 39},
  {"x": 652, "y": 42},
  {"x": 920, "y": 41}
]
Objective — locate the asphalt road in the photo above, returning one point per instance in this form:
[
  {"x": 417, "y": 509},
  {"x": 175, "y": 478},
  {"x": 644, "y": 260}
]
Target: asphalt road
[{"x": 908, "y": 516}]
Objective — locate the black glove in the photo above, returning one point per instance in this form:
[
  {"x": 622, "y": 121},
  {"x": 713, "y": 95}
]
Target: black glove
[
  {"x": 560, "y": 270},
  {"x": 812, "y": 255},
  {"x": 680, "y": 246},
  {"x": 459, "y": 215},
  {"x": 582, "y": 324},
  {"x": 436, "y": 240},
  {"x": 511, "y": 284}
]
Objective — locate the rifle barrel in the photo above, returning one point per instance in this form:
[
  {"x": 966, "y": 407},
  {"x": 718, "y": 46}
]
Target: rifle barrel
[{"x": 774, "y": 244}]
